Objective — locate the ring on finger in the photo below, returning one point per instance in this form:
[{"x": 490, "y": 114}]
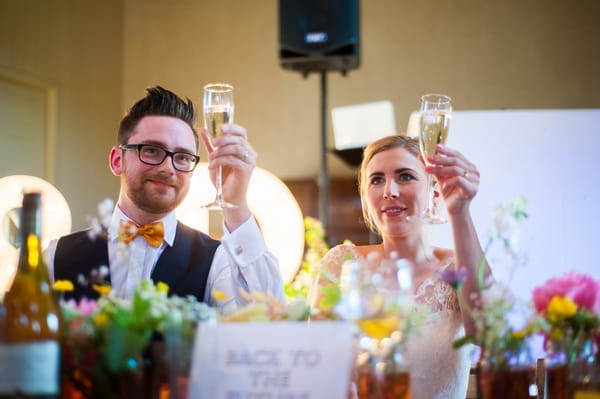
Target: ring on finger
[
  {"x": 466, "y": 174},
  {"x": 245, "y": 157}
]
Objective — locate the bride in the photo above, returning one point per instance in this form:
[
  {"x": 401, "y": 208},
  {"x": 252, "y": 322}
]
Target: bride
[{"x": 392, "y": 183}]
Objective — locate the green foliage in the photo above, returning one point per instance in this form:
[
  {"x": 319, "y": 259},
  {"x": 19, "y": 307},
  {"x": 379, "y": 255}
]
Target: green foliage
[
  {"x": 316, "y": 248},
  {"x": 331, "y": 296}
]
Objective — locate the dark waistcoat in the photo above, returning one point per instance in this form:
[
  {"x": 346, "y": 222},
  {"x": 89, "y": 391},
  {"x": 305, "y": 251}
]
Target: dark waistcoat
[{"x": 184, "y": 266}]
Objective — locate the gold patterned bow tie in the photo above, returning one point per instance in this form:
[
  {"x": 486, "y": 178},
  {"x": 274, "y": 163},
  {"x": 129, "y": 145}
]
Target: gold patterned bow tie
[{"x": 152, "y": 232}]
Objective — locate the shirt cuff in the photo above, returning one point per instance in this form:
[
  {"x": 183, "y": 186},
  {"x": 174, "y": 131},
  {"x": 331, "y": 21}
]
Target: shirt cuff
[{"x": 246, "y": 243}]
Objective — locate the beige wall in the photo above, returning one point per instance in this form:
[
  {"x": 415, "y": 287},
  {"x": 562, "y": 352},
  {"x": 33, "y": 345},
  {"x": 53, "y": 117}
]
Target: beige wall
[
  {"x": 102, "y": 54},
  {"x": 486, "y": 54},
  {"x": 75, "y": 47}
]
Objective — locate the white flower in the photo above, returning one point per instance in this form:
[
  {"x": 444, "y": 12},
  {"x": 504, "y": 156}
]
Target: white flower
[
  {"x": 103, "y": 271},
  {"x": 105, "y": 210},
  {"x": 507, "y": 216},
  {"x": 296, "y": 309},
  {"x": 496, "y": 293}
]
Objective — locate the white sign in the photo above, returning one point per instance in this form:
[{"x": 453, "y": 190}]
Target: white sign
[
  {"x": 355, "y": 126},
  {"x": 280, "y": 360}
]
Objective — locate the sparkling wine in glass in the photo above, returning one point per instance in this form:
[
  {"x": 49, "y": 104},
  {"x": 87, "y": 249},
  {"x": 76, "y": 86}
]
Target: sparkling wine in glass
[
  {"x": 436, "y": 111},
  {"x": 218, "y": 110}
]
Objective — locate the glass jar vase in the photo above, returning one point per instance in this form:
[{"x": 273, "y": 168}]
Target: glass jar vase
[
  {"x": 583, "y": 375},
  {"x": 508, "y": 376}
]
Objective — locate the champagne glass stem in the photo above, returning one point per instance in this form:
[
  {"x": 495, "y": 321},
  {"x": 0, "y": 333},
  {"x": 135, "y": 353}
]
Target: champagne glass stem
[
  {"x": 219, "y": 185},
  {"x": 429, "y": 208}
]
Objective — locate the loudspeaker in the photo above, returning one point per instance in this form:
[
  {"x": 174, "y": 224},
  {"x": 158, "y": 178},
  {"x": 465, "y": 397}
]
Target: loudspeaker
[{"x": 318, "y": 35}]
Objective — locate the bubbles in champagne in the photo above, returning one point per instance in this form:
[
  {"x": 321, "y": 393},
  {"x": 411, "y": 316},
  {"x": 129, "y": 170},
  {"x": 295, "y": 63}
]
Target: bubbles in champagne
[
  {"x": 215, "y": 117},
  {"x": 434, "y": 131}
]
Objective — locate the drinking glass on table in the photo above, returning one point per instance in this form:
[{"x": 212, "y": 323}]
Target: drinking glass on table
[
  {"x": 218, "y": 110},
  {"x": 436, "y": 111},
  {"x": 376, "y": 298}
]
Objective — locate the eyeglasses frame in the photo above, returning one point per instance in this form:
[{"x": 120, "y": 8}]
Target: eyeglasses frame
[{"x": 138, "y": 147}]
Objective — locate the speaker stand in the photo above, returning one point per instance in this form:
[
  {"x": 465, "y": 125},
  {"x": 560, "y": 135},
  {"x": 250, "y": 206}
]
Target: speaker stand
[{"x": 323, "y": 181}]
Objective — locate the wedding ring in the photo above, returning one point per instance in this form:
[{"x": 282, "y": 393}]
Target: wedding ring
[
  {"x": 245, "y": 157},
  {"x": 466, "y": 174}
]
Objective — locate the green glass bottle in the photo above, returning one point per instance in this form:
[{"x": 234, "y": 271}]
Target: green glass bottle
[{"x": 30, "y": 318}]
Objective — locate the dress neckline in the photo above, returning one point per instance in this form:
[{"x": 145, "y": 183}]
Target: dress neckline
[{"x": 426, "y": 281}]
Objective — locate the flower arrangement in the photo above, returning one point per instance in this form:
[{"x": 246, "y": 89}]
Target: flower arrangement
[
  {"x": 503, "y": 323},
  {"x": 316, "y": 248},
  {"x": 265, "y": 308},
  {"x": 570, "y": 306},
  {"x": 109, "y": 336}
]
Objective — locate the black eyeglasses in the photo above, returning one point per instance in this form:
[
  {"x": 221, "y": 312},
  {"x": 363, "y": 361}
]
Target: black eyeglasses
[{"x": 154, "y": 155}]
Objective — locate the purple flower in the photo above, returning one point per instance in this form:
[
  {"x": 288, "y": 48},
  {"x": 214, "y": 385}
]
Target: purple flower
[{"x": 454, "y": 277}]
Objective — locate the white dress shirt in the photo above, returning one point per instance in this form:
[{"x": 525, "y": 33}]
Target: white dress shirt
[{"x": 242, "y": 260}]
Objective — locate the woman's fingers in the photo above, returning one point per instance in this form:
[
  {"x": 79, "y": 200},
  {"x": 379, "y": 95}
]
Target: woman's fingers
[{"x": 451, "y": 162}]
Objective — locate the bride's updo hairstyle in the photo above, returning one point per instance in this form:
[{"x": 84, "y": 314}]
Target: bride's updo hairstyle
[{"x": 411, "y": 144}]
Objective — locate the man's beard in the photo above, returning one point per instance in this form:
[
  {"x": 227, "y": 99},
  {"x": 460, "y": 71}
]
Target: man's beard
[{"x": 150, "y": 200}]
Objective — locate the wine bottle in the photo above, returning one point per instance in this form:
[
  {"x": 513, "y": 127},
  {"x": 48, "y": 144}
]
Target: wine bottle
[{"x": 30, "y": 318}]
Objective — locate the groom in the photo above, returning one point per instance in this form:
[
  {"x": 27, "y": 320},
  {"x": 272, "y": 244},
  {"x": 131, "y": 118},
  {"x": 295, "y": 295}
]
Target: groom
[{"x": 155, "y": 157}]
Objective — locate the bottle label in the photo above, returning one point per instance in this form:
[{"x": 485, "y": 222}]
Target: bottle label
[
  {"x": 30, "y": 368},
  {"x": 586, "y": 395}
]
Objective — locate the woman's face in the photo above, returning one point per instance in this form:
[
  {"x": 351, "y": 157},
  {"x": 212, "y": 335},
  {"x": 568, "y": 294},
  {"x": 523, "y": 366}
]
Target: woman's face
[{"x": 395, "y": 188}]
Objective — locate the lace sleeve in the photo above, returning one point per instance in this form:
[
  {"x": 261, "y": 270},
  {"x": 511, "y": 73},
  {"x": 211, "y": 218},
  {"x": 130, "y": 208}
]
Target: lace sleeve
[
  {"x": 330, "y": 267},
  {"x": 437, "y": 295}
]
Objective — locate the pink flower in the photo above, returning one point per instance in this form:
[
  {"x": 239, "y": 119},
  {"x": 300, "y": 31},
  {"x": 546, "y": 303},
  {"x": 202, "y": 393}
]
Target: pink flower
[
  {"x": 580, "y": 288},
  {"x": 596, "y": 308},
  {"x": 85, "y": 307}
]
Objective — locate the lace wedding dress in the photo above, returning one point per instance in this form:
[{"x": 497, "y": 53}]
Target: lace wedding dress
[{"x": 437, "y": 371}]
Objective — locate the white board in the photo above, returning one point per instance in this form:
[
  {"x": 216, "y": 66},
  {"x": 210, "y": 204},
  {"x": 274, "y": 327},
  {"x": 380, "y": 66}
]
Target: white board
[
  {"x": 355, "y": 126},
  {"x": 551, "y": 158}
]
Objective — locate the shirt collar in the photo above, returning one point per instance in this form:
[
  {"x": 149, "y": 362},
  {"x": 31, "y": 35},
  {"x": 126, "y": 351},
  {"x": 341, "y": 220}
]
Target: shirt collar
[{"x": 169, "y": 223}]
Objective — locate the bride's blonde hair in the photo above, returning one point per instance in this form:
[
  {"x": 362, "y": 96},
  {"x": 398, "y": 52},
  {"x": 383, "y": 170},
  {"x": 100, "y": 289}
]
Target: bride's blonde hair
[{"x": 411, "y": 144}]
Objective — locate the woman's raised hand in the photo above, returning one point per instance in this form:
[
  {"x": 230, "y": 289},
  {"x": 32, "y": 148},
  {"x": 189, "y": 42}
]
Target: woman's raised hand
[{"x": 457, "y": 177}]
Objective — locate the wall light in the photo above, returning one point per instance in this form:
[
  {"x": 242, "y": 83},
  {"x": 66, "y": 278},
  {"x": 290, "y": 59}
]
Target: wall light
[
  {"x": 56, "y": 218},
  {"x": 271, "y": 202}
]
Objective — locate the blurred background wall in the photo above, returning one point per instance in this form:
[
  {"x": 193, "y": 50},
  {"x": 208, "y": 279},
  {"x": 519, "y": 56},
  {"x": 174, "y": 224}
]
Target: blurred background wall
[{"x": 92, "y": 59}]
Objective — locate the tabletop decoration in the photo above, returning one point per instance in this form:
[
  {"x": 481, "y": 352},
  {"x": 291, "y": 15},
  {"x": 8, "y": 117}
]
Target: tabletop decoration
[
  {"x": 503, "y": 322},
  {"x": 570, "y": 306},
  {"x": 115, "y": 347},
  {"x": 376, "y": 296},
  {"x": 316, "y": 248},
  {"x": 108, "y": 343}
]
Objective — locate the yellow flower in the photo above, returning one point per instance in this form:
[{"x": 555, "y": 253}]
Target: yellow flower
[
  {"x": 162, "y": 287},
  {"x": 102, "y": 289},
  {"x": 519, "y": 334},
  {"x": 219, "y": 296},
  {"x": 556, "y": 334},
  {"x": 560, "y": 308},
  {"x": 62, "y": 285},
  {"x": 101, "y": 319}
]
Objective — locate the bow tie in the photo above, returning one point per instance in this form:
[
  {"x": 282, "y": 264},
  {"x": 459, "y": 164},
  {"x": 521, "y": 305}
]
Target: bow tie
[{"x": 152, "y": 232}]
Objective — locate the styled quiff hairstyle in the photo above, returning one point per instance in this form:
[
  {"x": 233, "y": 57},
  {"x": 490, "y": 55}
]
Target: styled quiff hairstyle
[
  {"x": 158, "y": 102},
  {"x": 411, "y": 144}
]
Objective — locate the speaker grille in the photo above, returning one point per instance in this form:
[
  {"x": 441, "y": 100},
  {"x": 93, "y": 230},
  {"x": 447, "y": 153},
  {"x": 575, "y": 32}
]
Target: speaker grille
[{"x": 317, "y": 35}]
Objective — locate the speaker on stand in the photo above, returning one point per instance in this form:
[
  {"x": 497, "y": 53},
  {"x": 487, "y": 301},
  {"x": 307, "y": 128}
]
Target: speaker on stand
[{"x": 320, "y": 36}]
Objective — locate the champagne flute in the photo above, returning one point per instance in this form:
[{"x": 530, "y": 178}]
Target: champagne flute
[
  {"x": 218, "y": 110},
  {"x": 436, "y": 111}
]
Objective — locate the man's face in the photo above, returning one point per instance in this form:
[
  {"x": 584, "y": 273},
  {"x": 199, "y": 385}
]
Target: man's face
[{"x": 155, "y": 189}]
